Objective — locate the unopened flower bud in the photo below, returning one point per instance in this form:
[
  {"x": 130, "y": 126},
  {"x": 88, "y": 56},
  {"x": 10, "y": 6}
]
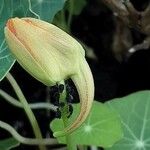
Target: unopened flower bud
[{"x": 51, "y": 56}]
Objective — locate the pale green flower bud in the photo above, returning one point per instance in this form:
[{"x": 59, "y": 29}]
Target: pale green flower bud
[{"x": 51, "y": 56}]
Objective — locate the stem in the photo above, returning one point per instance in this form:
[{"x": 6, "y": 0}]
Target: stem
[
  {"x": 27, "y": 109},
  {"x": 16, "y": 103},
  {"x": 63, "y": 19},
  {"x": 48, "y": 100},
  {"x": 94, "y": 148},
  {"x": 71, "y": 7},
  {"x": 64, "y": 112},
  {"x": 82, "y": 147},
  {"x": 28, "y": 141},
  {"x": 63, "y": 23}
]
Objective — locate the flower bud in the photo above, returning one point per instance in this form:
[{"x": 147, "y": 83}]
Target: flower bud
[{"x": 51, "y": 55}]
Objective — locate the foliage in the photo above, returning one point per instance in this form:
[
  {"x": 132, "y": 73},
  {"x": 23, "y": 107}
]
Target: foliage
[
  {"x": 119, "y": 124},
  {"x": 75, "y": 7},
  {"x": 8, "y": 144},
  {"x": 20, "y": 8},
  {"x": 102, "y": 127},
  {"x": 134, "y": 112}
]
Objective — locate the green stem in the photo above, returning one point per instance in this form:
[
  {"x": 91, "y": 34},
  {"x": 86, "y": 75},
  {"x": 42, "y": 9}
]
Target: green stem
[
  {"x": 16, "y": 103},
  {"x": 63, "y": 21},
  {"x": 64, "y": 112},
  {"x": 27, "y": 109},
  {"x": 24, "y": 140},
  {"x": 94, "y": 148},
  {"x": 82, "y": 147},
  {"x": 71, "y": 7}
]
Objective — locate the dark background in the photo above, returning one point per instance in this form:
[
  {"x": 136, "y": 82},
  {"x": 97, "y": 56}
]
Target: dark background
[{"x": 95, "y": 26}]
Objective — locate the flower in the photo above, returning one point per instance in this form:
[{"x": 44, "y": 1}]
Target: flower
[{"x": 51, "y": 55}]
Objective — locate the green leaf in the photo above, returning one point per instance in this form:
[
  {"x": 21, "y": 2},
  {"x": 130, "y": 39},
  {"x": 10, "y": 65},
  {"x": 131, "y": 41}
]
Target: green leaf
[
  {"x": 6, "y": 59},
  {"x": 8, "y": 144},
  {"x": 75, "y": 7},
  {"x": 46, "y": 9},
  {"x": 102, "y": 127},
  {"x": 134, "y": 112}
]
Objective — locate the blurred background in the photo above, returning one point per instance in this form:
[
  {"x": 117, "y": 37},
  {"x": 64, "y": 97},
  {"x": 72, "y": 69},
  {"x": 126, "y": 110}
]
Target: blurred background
[{"x": 106, "y": 42}]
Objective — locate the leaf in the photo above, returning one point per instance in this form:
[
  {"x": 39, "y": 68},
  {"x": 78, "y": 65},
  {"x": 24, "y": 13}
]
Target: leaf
[
  {"x": 8, "y": 144},
  {"x": 6, "y": 59},
  {"x": 102, "y": 127},
  {"x": 46, "y": 9},
  {"x": 134, "y": 112},
  {"x": 76, "y": 7}
]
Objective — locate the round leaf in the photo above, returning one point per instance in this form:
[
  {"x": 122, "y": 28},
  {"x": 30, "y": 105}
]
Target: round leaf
[
  {"x": 102, "y": 127},
  {"x": 134, "y": 112}
]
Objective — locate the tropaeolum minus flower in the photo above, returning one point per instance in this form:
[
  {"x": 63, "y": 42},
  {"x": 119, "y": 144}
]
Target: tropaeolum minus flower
[{"x": 51, "y": 56}]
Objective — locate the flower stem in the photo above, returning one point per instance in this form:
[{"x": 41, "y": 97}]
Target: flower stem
[
  {"x": 64, "y": 112},
  {"x": 25, "y": 140},
  {"x": 16, "y": 103},
  {"x": 29, "y": 113},
  {"x": 71, "y": 7}
]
